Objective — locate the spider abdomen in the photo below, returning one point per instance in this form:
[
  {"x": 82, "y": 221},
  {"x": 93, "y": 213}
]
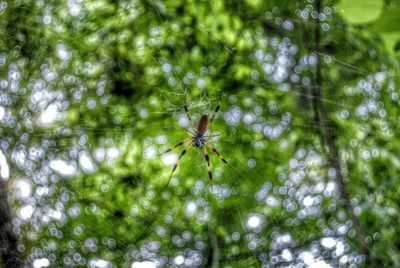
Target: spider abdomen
[{"x": 202, "y": 128}]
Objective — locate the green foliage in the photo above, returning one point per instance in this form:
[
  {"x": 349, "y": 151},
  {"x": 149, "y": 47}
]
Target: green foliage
[{"x": 124, "y": 70}]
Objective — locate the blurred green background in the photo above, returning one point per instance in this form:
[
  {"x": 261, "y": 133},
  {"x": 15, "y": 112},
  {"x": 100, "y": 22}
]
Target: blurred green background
[{"x": 92, "y": 92}]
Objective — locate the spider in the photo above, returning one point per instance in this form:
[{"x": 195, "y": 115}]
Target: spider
[{"x": 198, "y": 140}]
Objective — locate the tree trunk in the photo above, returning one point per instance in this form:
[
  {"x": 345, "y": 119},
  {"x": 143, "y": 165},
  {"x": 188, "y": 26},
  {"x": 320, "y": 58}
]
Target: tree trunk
[
  {"x": 327, "y": 137},
  {"x": 10, "y": 256}
]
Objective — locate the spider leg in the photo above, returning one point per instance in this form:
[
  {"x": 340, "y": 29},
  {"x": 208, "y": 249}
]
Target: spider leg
[
  {"x": 177, "y": 145},
  {"x": 177, "y": 163},
  {"x": 212, "y": 136},
  {"x": 214, "y": 114},
  {"x": 188, "y": 116},
  {"x": 208, "y": 162},
  {"x": 188, "y": 131},
  {"x": 217, "y": 153}
]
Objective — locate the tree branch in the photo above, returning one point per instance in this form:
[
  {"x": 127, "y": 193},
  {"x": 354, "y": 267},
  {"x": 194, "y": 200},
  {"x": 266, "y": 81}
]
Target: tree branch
[{"x": 213, "y": 255}]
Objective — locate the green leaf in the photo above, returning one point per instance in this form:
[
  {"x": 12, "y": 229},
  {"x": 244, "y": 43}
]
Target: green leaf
[
  {"x": 360, "y": 11},
  {"x": 389, "y": 21}
]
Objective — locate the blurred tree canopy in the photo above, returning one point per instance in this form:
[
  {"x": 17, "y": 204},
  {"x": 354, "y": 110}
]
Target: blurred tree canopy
[{"x": 92, "y": 92}]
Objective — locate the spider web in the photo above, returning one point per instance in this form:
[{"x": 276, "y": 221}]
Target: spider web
[
  {"x": 259, "y": 205},
  {"x": 279, "y": 248}
]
